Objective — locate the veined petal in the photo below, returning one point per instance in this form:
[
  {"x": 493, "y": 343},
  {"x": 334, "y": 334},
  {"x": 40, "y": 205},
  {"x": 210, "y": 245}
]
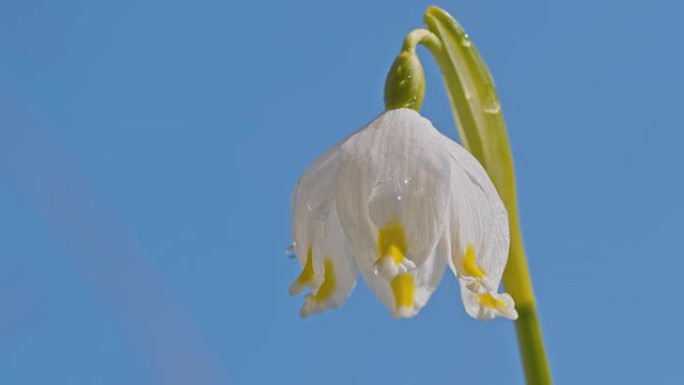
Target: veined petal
[
  {"x": 339, "y": 269},
  {"x": 478, "y": 224},
  {"x": 393, "y": 191},
  {"x": 328, "y": 265},
  {"x": 405, "y": 294},
  {"x": 312, "y": 202}
]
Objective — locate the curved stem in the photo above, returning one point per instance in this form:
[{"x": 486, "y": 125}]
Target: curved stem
[
  {"x": 421, "y": 36},
  {"x": 482, "y": 129},
  {"x": 405, "y": 82}
]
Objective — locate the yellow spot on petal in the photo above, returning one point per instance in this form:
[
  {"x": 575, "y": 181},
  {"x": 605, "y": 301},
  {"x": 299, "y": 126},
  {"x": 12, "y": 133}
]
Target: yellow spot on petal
[
  {"x": 308, "y": 272},
  {"x": 395, "y": 253},
  {"x": 327, "y": 288},
  {"x": 403, "y": 289},
  {"x": 470, "y": 267},
  {"x": 392, "y": 242},
  {"x": 488, "y": 300}
]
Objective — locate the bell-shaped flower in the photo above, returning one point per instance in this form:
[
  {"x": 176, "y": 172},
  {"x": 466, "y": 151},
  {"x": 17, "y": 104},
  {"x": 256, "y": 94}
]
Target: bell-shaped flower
[{"x": 398, "y": 201}]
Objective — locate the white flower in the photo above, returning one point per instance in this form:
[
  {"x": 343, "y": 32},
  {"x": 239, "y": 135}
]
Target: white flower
[{"x": 397, "y": 201}]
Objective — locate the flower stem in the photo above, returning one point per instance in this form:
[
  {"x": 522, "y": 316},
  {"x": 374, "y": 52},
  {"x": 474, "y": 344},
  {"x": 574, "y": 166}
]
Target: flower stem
[
  {"x": 482, "y": 129},
  {"x": 421, "y": 36},
  {"x": 531, "y": 344},
  {"x": 518, "y": 284}
]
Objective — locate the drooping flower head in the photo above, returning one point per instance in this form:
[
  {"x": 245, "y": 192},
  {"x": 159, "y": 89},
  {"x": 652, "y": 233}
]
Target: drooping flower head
[{"x": 398, "y": 201}]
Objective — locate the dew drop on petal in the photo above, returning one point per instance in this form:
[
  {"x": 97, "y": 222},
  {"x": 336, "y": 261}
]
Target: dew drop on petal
[{"x": 290, "y": 251}]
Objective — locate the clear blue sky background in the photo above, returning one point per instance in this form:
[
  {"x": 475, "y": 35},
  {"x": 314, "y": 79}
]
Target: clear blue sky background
[{"x": 148, "y": 150}]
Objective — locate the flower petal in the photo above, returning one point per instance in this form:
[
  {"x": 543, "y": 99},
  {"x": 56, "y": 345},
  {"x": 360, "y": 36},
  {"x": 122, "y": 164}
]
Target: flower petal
[
  {"x": 405, "y": 294},
  {"x": 339, "y": 269},
  {"x": 393, "y": 184},
  {"x": 328, "y": 265},
  {"x": 488, "y": 305},
  {"x": 312, "y": 202},
  {"x": 478, "y": 224}
]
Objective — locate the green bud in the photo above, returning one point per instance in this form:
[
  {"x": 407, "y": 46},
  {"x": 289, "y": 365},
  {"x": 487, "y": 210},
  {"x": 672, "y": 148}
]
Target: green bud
[{"x": 405, "y": 84}]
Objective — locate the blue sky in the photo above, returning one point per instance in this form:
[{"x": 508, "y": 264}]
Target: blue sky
[{"x": 148, "y": 150}]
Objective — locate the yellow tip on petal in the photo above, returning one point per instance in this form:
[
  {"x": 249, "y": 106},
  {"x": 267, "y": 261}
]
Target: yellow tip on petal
[
  {"x": 403, "y": 288},
  {"x": 395, "y": 253},
  {"x": 392, "y": 242},
  {"x": 306, "y": 277},
  {"x": 329, "y": 283},
  {"x": 316, "y": 303},
  {"x": 488, "y": 300},
  {"x": 492, "y": 304},
  {"x": 470, "y": 267}
]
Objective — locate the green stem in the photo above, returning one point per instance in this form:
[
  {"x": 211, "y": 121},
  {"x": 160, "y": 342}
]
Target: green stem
[
  {"x": 421, "y": 36},
  {"x": 482, "y": 129},
  {"x": 518, "y": 283},
  {"x": 531, "y": 344}
]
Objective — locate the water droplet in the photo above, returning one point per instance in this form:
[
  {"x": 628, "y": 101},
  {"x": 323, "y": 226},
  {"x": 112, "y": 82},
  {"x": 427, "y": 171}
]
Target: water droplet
[
  {"x": 466, "y": 41},
  {"x": 406, "y": 180},
  {"x": 290, "y": 251},
  {"x": 492, "y": 106},
  {"x": 398, "y": 197},
  {"x": 376, "y": 270}
]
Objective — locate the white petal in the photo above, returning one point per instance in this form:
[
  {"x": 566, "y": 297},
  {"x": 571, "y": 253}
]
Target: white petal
[
  {"x": 422, "y": 283},
  {"x": 394, "y": 171},
  {"x": 478, "y": 220},
  {"x": 331, "y": 272},
  {"x": 487, "y": 306},
  {"x": 339, "y": 269},
  {"x": 312, "y": 202}
]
